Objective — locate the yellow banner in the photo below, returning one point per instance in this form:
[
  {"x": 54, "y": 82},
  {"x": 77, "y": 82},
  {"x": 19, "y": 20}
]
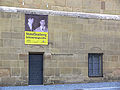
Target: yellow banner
[{"x": 39, "y": 38}]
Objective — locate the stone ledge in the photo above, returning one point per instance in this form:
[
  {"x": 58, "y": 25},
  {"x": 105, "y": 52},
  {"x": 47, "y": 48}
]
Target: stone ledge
[{"x": 59, "y": 13}]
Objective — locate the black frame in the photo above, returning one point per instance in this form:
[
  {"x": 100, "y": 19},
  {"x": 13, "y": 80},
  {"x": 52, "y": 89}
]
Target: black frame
[{"x": 101, "y": 54}]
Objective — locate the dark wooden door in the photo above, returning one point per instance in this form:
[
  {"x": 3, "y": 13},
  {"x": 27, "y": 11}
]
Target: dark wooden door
[{"x": 35, "y": 69}]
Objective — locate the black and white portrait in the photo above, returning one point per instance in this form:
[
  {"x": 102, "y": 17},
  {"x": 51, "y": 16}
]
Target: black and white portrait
[{"x": 36, "y": 23}]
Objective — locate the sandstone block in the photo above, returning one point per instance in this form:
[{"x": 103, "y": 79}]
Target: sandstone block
[
  {"x": 67, "y": 64},
  {"x": 4, "y": 72},
  {"x": 24, "y": 72},
  {"x": 65, "y": 71},
  {"x": 15, "y": 72},
  {"x": 5, "y": 64},
  {"x": 49, "y": 71},
  {"x": 17, "y": 35},
  {"x": 1, "y": 42},
  {"x": 9, "y": 56},
  {"x": 6, "y": 35},
  {"x": 76, "y": 3},
  {"x": 14, "y": 63},
  {"x": 60, "y": 2},
  {"x": 23, "y": 56}
]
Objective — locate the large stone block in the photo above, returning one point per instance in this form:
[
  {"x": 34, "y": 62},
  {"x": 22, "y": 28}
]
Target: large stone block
[
  {"x": 57, "y": 72},
  {"x": 15, "y": 72},
  {"x": 7, "y": 81},
  {"x": 94, "y": 4},
  {"x": 17, "y": 3},
  {"x": 57, "y": 8},
  {"x": 15, "y": 63},
  {"x": 23, "y": 57},
  {"x": 5, "y": 15},
  {"x": 49, "y": 71},
  {"x": 77, "y": 71},
  {"x": 91, "y": 10},
  {"x": 15, "y": 50},
  {"x": 7, "y": 43},
  {"x": 1, "y": 42},
  {"x": 110, "y": 5},
  {"x": 79, "y": 57},
  {"x": 45, "y": 4},
  {"x": 6, "y": 35},
  {"x": 17, "y": 35},
  {"x": 51, "y": 64},
  {"x": 9, "y": 56},
  {"x": 75, "y": 3},
  {"x": 60, "y": 2},
  {"x": 17, "y": 43},
  {"x": 82, "y": 21},
  {"x": 47, "y": 56},
  {"x": 116, "y": 72},
  {"x": 65, "y": 71},
  {"x": 4, "y": 72},
  {"x": 67, "y": 64},
  {"x": 82, "y": 64},
  {"x": 24, "y": 72},
  {"x": 103, "y": 5},
  {"x": 29, "y": 1},
  {"x": 78, "y": 9},
  {"x": 78, "y": 45},
  {"x": 5, "y": 24},
  {"x": 84, "y": 71},
  {"x": 69, "y": 9},
  {"x": 4, "y": 50},
  {"x": 113, "y": 58},
  {"x": 6, "y": 64}
]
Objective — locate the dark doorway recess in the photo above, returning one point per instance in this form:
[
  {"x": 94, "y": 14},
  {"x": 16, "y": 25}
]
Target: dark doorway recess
[{"x": 35, "y": 69}]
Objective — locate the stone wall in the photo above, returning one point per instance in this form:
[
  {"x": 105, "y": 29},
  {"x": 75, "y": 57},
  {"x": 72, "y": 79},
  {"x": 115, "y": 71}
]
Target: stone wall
[
  {"x": 66, "y": 56},
  {"x": 89, "y": 6}
]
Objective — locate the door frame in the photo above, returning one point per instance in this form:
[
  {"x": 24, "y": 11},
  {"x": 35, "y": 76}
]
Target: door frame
[{"x": 42, "y": 62}]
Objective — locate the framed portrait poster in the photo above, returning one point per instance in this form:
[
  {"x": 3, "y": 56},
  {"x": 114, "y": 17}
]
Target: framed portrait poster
[{"x": 36, "y": 29}]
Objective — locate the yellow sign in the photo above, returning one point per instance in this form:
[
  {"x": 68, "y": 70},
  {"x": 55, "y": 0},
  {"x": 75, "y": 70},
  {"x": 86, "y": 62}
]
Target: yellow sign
[{"x": 39, "y": 38}]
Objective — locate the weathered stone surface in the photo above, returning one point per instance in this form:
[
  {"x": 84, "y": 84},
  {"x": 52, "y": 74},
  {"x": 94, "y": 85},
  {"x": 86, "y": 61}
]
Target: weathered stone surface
[
  {"x": 80, "y": 64},
  {"x": 17, "y": 35},
  {"x": 24, "y": 72},
  {"x": 8, "y": 56},
  {"x": 103, "y": 5},
  {"x": 49, "y": 71},
  {"x": 4, "y": 72},
  {"x": 76, "y": 71},
  {"x": 51, "y": 64},
  {"x": 76, "y": 3},
  {"x": 67, "y": 64},
  {"x": 71, "y": 37},
  {"x": 5, "y": 64},
  {"x": 116, "y": 72},
  {"x": 6, "y": 35},
  {"x": 47, "y": 56},
  {"x": 23, "y": 57},
  {"x": 15, "y": 72},
  {"x": 7, "y": 81},
  {"x": 14, "y": 63},
  {"x": 7, "y": 43},
  {"x": 1, "y": 43},
  {"x": 67, "y": 71},
  {"x": 60, "y": 2}
]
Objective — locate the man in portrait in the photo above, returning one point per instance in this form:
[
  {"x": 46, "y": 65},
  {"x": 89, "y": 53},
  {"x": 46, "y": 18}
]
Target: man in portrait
[{"x": 36, "y": 23}]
